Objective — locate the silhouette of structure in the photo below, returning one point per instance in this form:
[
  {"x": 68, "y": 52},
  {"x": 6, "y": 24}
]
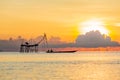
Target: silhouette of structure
[{"x": 27, "y": 47}]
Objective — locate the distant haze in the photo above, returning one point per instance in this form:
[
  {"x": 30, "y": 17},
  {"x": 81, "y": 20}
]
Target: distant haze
[{"x": 92, "y": 39}]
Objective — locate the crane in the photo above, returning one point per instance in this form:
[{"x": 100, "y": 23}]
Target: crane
[{"x": 27, "y": 47}]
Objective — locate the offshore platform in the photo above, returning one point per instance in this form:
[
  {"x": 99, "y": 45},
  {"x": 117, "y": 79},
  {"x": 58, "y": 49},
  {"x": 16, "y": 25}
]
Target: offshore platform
[{"x": 28, "y": 47}]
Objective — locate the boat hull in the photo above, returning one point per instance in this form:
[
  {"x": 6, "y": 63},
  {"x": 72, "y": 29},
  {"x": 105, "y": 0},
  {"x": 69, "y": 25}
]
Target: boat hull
[{"x": 61, "y": 52}]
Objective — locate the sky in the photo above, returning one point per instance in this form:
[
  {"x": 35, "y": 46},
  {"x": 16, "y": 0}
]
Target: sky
[{"x": 60, "y": 18}]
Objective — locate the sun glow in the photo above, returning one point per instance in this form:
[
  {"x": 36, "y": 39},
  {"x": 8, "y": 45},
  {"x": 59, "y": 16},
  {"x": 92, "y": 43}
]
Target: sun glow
[{"x": 93, "y": 25}]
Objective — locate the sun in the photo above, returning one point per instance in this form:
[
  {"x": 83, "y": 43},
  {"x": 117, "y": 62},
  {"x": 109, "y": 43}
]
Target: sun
[{"x": 93, "y": 25}]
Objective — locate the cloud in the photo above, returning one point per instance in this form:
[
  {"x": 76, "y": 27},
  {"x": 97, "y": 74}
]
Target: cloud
[
  {"x": 55, "y": 40},
  {"x": 94, "y": 39},
  {"x": 11, "y": 44}
]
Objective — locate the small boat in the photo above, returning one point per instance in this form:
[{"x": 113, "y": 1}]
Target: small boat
[{"x": 51, "y": 51}]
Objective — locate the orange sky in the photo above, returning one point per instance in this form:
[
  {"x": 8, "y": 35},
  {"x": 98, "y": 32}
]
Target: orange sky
[{"x": 31, "y": 18}]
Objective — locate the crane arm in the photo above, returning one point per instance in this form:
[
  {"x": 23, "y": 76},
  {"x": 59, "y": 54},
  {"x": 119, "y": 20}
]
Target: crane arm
[{"x": 43, "y": 38}]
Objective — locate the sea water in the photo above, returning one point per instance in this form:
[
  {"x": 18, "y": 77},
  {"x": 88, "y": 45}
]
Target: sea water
[{"x": 60, "y": 66}]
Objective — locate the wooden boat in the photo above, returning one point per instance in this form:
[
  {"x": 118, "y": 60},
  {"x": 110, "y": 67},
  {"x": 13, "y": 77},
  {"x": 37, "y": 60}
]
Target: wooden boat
[{"x": 61, "y": 51}]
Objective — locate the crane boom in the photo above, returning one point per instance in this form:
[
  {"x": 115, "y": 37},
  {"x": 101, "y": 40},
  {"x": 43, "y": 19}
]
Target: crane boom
[{"x": 44, "y": 38}]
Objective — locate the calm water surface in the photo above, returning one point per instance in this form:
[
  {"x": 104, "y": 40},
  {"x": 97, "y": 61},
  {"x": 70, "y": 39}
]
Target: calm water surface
[{"x": 63, "y": 66}]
